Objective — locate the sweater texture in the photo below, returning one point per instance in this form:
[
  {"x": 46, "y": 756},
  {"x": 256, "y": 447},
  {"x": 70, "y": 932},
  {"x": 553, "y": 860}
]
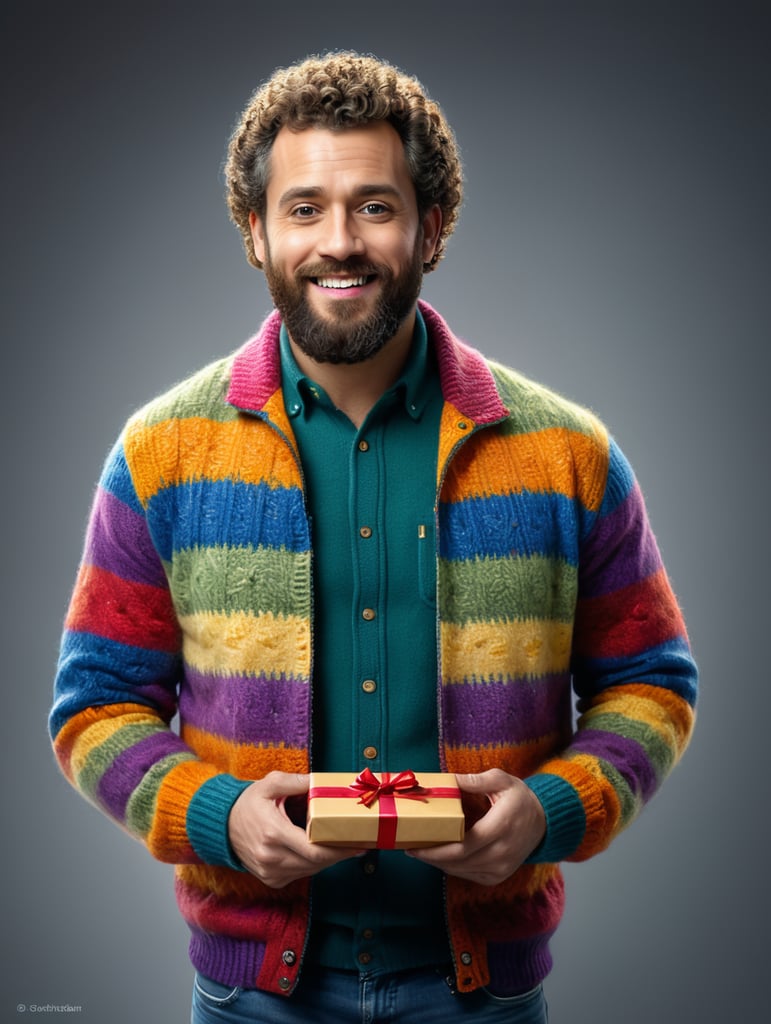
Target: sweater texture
[{"x": 194, "y": 597}]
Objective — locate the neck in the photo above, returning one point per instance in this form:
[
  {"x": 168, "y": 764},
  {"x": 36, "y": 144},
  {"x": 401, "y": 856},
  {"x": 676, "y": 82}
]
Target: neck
[{"x": 355, "y": 388}]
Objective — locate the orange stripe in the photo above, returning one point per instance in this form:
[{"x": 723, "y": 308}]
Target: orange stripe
[
  {"x": 77, "y": 726},
  {"x": 520, "y": 760},
  {"x": 244, "y": 760},
  {"x": 174, "y": 451},
  {"x": 167, "y": 839},
  {"x": 555, "y": 460}
]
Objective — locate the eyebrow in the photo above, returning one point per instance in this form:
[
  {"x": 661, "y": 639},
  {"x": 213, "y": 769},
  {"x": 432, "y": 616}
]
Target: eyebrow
[{"x": 314, "y": 191}]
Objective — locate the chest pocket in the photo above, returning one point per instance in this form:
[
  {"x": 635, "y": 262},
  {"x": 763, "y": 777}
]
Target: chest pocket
[{"x": 426, "y": 540}]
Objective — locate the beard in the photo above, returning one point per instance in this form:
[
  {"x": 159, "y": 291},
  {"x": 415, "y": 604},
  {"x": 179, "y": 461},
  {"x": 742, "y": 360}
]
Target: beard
[{"x": 346, "y": 333}]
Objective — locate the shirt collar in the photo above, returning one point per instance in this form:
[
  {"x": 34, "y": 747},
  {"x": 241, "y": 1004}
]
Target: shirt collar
[{"x": 413, "y": 388}]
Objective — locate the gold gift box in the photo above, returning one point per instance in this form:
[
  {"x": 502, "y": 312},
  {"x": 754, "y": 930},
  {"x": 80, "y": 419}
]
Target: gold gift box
[{"x": 387, "y": 811}]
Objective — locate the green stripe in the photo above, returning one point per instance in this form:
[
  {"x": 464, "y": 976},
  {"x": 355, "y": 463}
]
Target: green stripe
[
  {"x": 246, "y": 579},
  {"x": 102, "y": 757},
  {"x": 140, "y": 810},
  {"x": 659, "y": 752},
  {"x": 533, "y": 407},
  {"x": 202, "y": 395},
  {"x": 507, "y": 589}
]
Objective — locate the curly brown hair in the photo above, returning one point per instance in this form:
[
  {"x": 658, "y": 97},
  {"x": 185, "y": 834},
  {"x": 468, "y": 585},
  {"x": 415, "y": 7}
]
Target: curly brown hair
[{"x": 337, "y": 91}]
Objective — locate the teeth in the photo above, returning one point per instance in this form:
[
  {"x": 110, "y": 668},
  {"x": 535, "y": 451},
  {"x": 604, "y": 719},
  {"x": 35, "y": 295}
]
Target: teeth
[{"x": 341, "y": 282}]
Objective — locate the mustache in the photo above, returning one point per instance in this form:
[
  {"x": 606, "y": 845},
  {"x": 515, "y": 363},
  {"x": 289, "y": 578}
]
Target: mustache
[{"x": 352, "y": 267}]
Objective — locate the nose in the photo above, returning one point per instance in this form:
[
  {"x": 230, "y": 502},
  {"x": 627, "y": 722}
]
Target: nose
[{"x": 339, "y": 237}]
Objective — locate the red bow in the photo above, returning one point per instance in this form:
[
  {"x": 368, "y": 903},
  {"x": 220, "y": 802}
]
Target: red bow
[{"x": 372, "y": 788}]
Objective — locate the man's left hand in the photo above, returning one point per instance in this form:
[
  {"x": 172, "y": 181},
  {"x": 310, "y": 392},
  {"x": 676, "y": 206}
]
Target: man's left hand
[{"x": 498, "y": 842}]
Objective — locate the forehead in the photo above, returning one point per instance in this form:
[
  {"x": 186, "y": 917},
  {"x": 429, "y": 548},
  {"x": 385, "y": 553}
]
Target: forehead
[{"x": 319, "y": 158}]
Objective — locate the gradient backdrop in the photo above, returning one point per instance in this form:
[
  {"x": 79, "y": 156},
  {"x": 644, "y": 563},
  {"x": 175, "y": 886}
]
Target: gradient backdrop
[{"x": 614, "y": 244}]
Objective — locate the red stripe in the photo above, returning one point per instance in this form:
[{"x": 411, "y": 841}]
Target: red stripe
[
  {"x": 628, "y": 621},
  {"x": 127, "y": 612}
]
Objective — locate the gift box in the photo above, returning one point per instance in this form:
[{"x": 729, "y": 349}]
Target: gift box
[{"x": 392, "y": 811}]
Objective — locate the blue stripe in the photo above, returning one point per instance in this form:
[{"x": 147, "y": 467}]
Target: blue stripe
[
  {"x": 89, "y": 675},
  {"x": 505, "y": 525},
  {"x": 227, "y": 513},
  {"x": 620, "y": 480},
  {"x": 116, "y": 478},
  {"x": 671, "y": 664}
]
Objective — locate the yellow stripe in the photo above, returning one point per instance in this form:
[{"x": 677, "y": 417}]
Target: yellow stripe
[
  {"x": 504, "y": 649},
  {"x": 103, "y": 731},
  {"x": 240, "y": 642},
  {"x": 647, "y": 710},
  {"x": 174, "y": 451}
]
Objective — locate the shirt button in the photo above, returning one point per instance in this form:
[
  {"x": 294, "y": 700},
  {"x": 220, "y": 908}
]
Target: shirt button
[
  {"x": 369, "y": 614},
  {"x": 466, "y": 958},
  {"x": 369, "y": 867},
  {"x": 369, "y": 686},
  {"x": 368, "y": 933},
  {"x": 363, "y": 446},
  {"x": 370, "y": 753},
  {"x": 289, "y": 957},
  {"x": 284, "y": 984},
  {"x": 365, "y": 958},
  {"x": 365, "y": 531}
]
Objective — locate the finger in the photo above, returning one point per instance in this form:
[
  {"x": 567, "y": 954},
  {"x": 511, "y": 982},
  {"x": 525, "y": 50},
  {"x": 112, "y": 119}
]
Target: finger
[{"x": 282, "y": 784}]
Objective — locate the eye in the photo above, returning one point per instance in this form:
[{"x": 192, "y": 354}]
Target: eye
[
  {"x": 304, "y": 211},
  {"x": 373, "y": 209}
]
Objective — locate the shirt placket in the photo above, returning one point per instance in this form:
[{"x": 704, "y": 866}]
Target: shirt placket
[{"x": 368, "y": 612}]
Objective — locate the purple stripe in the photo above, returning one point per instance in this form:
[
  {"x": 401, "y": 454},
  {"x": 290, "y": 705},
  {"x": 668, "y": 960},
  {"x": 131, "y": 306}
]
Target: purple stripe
[
  {"x": 119, "y": 542},
  {"x": 522, "y": 710},
  {"x": 626, "y": 755},
  {"x": 247, "y": 709},
  {"x": 129, "y": 768},
  {"x": 621, "y": 549}
]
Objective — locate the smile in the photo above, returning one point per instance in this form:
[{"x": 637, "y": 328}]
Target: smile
[{"x": 341, "y": 283}]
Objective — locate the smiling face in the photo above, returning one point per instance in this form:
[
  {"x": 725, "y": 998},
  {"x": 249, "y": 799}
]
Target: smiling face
[{"x": 341, "y": 240}]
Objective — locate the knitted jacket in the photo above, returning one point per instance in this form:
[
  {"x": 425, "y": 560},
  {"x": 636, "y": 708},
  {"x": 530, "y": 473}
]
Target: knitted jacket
[{"x": 194, "y": 597}]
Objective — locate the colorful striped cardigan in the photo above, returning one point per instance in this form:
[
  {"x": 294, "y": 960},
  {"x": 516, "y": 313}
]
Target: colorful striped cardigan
[{"x": 194, "y": 596}]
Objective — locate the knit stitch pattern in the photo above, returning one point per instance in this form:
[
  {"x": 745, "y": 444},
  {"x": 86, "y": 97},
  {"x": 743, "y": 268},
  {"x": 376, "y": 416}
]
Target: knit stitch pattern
[{"x": 194, "y": 595}]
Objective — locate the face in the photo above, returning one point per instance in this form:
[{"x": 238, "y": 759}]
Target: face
[{"x": 341, "y": 241}]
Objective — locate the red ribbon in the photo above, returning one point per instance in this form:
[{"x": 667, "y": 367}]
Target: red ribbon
[{"x": 385, "y": 790}]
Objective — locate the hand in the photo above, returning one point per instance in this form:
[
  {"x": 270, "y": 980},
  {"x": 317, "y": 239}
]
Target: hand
[
  {"x": 265, "y": 840},
  {"x": 499, "y": 841}
]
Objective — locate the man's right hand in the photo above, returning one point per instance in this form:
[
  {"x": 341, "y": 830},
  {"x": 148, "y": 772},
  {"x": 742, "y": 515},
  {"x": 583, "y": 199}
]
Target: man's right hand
[{"x": 267, "y": 843}]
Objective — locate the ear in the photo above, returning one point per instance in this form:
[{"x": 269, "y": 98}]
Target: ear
[
  {"x": 432, "y": 226},
  {"x": 258, "y": 235}
]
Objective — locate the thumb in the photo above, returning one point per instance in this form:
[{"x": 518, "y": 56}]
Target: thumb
[
  {"x": 491, "y": 781},
  {"x": 279, "y": 784}
]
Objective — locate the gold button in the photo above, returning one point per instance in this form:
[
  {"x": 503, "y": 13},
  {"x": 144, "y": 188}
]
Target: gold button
[
  {"x": 369, "y": 614},
  {"x": 369, "y": 686},
  {"x": 366, "y": 531},
  {"x": 363, "y": 446},
  {"x": 370, "y": 753}
]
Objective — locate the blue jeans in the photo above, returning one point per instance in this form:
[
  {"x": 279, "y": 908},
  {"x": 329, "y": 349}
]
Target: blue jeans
[{"x": 344, "y": 997}]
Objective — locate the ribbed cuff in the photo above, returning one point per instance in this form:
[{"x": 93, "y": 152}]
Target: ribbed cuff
[
  {"x": 565, "y": 819},
  {"x": 207, "y": 820}
]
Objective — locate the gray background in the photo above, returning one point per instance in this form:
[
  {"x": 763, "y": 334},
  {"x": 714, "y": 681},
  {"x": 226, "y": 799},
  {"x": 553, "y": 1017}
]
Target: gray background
[{"x": 614, "y": 244}]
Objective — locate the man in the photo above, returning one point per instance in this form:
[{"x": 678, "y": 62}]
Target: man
[{"x": 358, "y": 543}]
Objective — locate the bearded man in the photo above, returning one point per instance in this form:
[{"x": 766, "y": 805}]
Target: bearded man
[{"x": 358, "y": 543}]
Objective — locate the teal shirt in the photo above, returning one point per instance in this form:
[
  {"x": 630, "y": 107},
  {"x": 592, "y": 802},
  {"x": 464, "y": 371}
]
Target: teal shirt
[{"x": 371, "y": 494}]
